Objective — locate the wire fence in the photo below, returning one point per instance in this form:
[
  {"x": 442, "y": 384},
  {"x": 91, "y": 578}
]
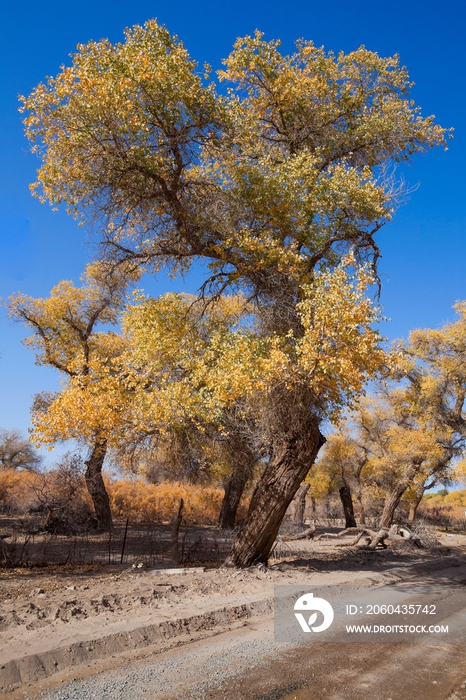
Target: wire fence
[
  {"x": 23, "y": 543},
  {"x": 148, "y": 544}
]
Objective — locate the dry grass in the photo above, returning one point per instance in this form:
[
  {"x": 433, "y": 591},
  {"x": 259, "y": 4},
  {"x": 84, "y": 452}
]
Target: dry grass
[
  {"x": 140, "y": 501},
  {"x": 132, "y": 499}
]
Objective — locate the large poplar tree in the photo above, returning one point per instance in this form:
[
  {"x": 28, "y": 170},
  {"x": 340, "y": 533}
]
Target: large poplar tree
[{"x": 272, "y": 181}]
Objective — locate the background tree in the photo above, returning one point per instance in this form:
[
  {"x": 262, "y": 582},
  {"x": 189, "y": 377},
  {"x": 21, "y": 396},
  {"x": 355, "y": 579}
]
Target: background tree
[
  {"x": 343, "y": 458},
  {"x": 65, "y": 335},
  {"x": 16, "y": 456},
  {"x": 415, "y": 493},
  {"x": 272, "y": 184},
  {"x": 242, "y": 456},
  {"x": 405, "y": 447},
  {"x": 186, "y": 422},
  {"x": 434, "y": 361},
  {"x": 16, "y": 452}
]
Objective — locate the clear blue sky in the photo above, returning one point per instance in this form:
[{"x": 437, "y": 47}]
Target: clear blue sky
[{"x": 424, "y": 248}]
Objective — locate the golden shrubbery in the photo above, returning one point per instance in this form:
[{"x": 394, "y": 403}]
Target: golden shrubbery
[
  {"x": 453, "y": 499},
  {"x": 140, "y": 501},
  {"x": 130, "y": 498},
  {"x": 13, "y": 488},
  {"x": 452, "y": 505}
]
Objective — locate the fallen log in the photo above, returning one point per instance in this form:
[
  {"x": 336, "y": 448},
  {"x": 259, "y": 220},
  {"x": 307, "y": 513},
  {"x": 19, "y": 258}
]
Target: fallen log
[
  {"x": 382, "y": 538},
  {"x": 338, "y": 534},
  {"x": 307, "y": 534}
]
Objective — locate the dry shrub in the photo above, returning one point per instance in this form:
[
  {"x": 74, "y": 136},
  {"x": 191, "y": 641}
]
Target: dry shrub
[
  {"x": 17, "y": 490},
  {"x": 61, "y": 496},
  {"x": 442, "y": 514},
  {"x": 140, "y": 501},
  {"x": 443, "y": 508}
]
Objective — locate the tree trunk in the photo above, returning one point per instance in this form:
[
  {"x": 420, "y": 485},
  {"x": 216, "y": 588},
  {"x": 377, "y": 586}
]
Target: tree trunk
[
  {"x": 393, "y": 499},
  {"x": 361, "y": 511},
  {"x": 413, "y": 506},
  {"x": 300, "y": 504},
  {"x": 96, "y": 487},
  {"x": 347, "y": 503},
  {"x": 233, "y": 491},
  {"x": 176, "y": 554},
  {"x": 420, "y": 491},
  {"x": 289, "y": 464}
]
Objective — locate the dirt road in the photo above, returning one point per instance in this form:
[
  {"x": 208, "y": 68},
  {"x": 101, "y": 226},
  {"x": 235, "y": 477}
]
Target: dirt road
[
  {"x": 246, "y": 665},
  {"x": 219, "y": 650}
]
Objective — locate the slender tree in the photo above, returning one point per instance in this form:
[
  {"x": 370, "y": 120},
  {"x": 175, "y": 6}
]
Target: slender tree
[
  {"x": 416, "y": 493},
  {"x": 343, "y": 458},
  {"x": 65, "y": 336}
]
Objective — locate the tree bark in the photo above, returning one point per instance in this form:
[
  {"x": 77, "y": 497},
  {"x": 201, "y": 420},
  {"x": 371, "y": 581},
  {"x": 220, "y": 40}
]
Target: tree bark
[
  {"x": 393, "y": 499},
  {"x": 347, "y": 503},
  {"x": 300, "y": 504},
  {"x": 420, "y": 491},
  {"x": 234, "y": 489},
  {"x": 289, "y": 464},
  {"x": 96, "y": 487},
  {"x": 176, "y": 554},
  {"x": 361, "y": 511}
]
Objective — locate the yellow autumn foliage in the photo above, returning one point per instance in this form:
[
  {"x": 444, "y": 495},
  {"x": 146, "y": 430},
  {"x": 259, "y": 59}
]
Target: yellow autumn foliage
[{"x": 183, "y": 364}]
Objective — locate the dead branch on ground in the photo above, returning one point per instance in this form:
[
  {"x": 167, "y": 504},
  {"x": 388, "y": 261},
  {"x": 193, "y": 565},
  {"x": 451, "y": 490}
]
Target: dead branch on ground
[{"x": 382, "y": 538}]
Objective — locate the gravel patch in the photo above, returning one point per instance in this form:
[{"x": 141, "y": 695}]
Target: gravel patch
[{"x": 203, "y": 669}]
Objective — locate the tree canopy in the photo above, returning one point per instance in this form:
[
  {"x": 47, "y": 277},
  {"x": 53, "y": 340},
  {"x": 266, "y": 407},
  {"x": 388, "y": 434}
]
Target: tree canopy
[{"x": 280, "y": 175}]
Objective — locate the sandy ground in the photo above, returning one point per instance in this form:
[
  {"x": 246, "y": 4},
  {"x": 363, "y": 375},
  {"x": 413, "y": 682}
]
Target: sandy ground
[{"x": 103, "y": 624}]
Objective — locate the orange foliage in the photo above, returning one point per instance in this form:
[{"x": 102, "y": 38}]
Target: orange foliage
[
  {"x": 129, "y": 498},
  {"x": 18, "y": 489},
  {"x": 140, "y": 501},
  {"x": 452, "y": 504}
]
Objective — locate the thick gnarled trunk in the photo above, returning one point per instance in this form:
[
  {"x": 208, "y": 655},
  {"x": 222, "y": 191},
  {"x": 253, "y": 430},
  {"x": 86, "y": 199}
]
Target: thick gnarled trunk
[
  {"x": 234, "y": 489},
  {"x": 289, "y": 464},
  {"x": 347, "y": 503},
  {"x": 96, "y": 487}
]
